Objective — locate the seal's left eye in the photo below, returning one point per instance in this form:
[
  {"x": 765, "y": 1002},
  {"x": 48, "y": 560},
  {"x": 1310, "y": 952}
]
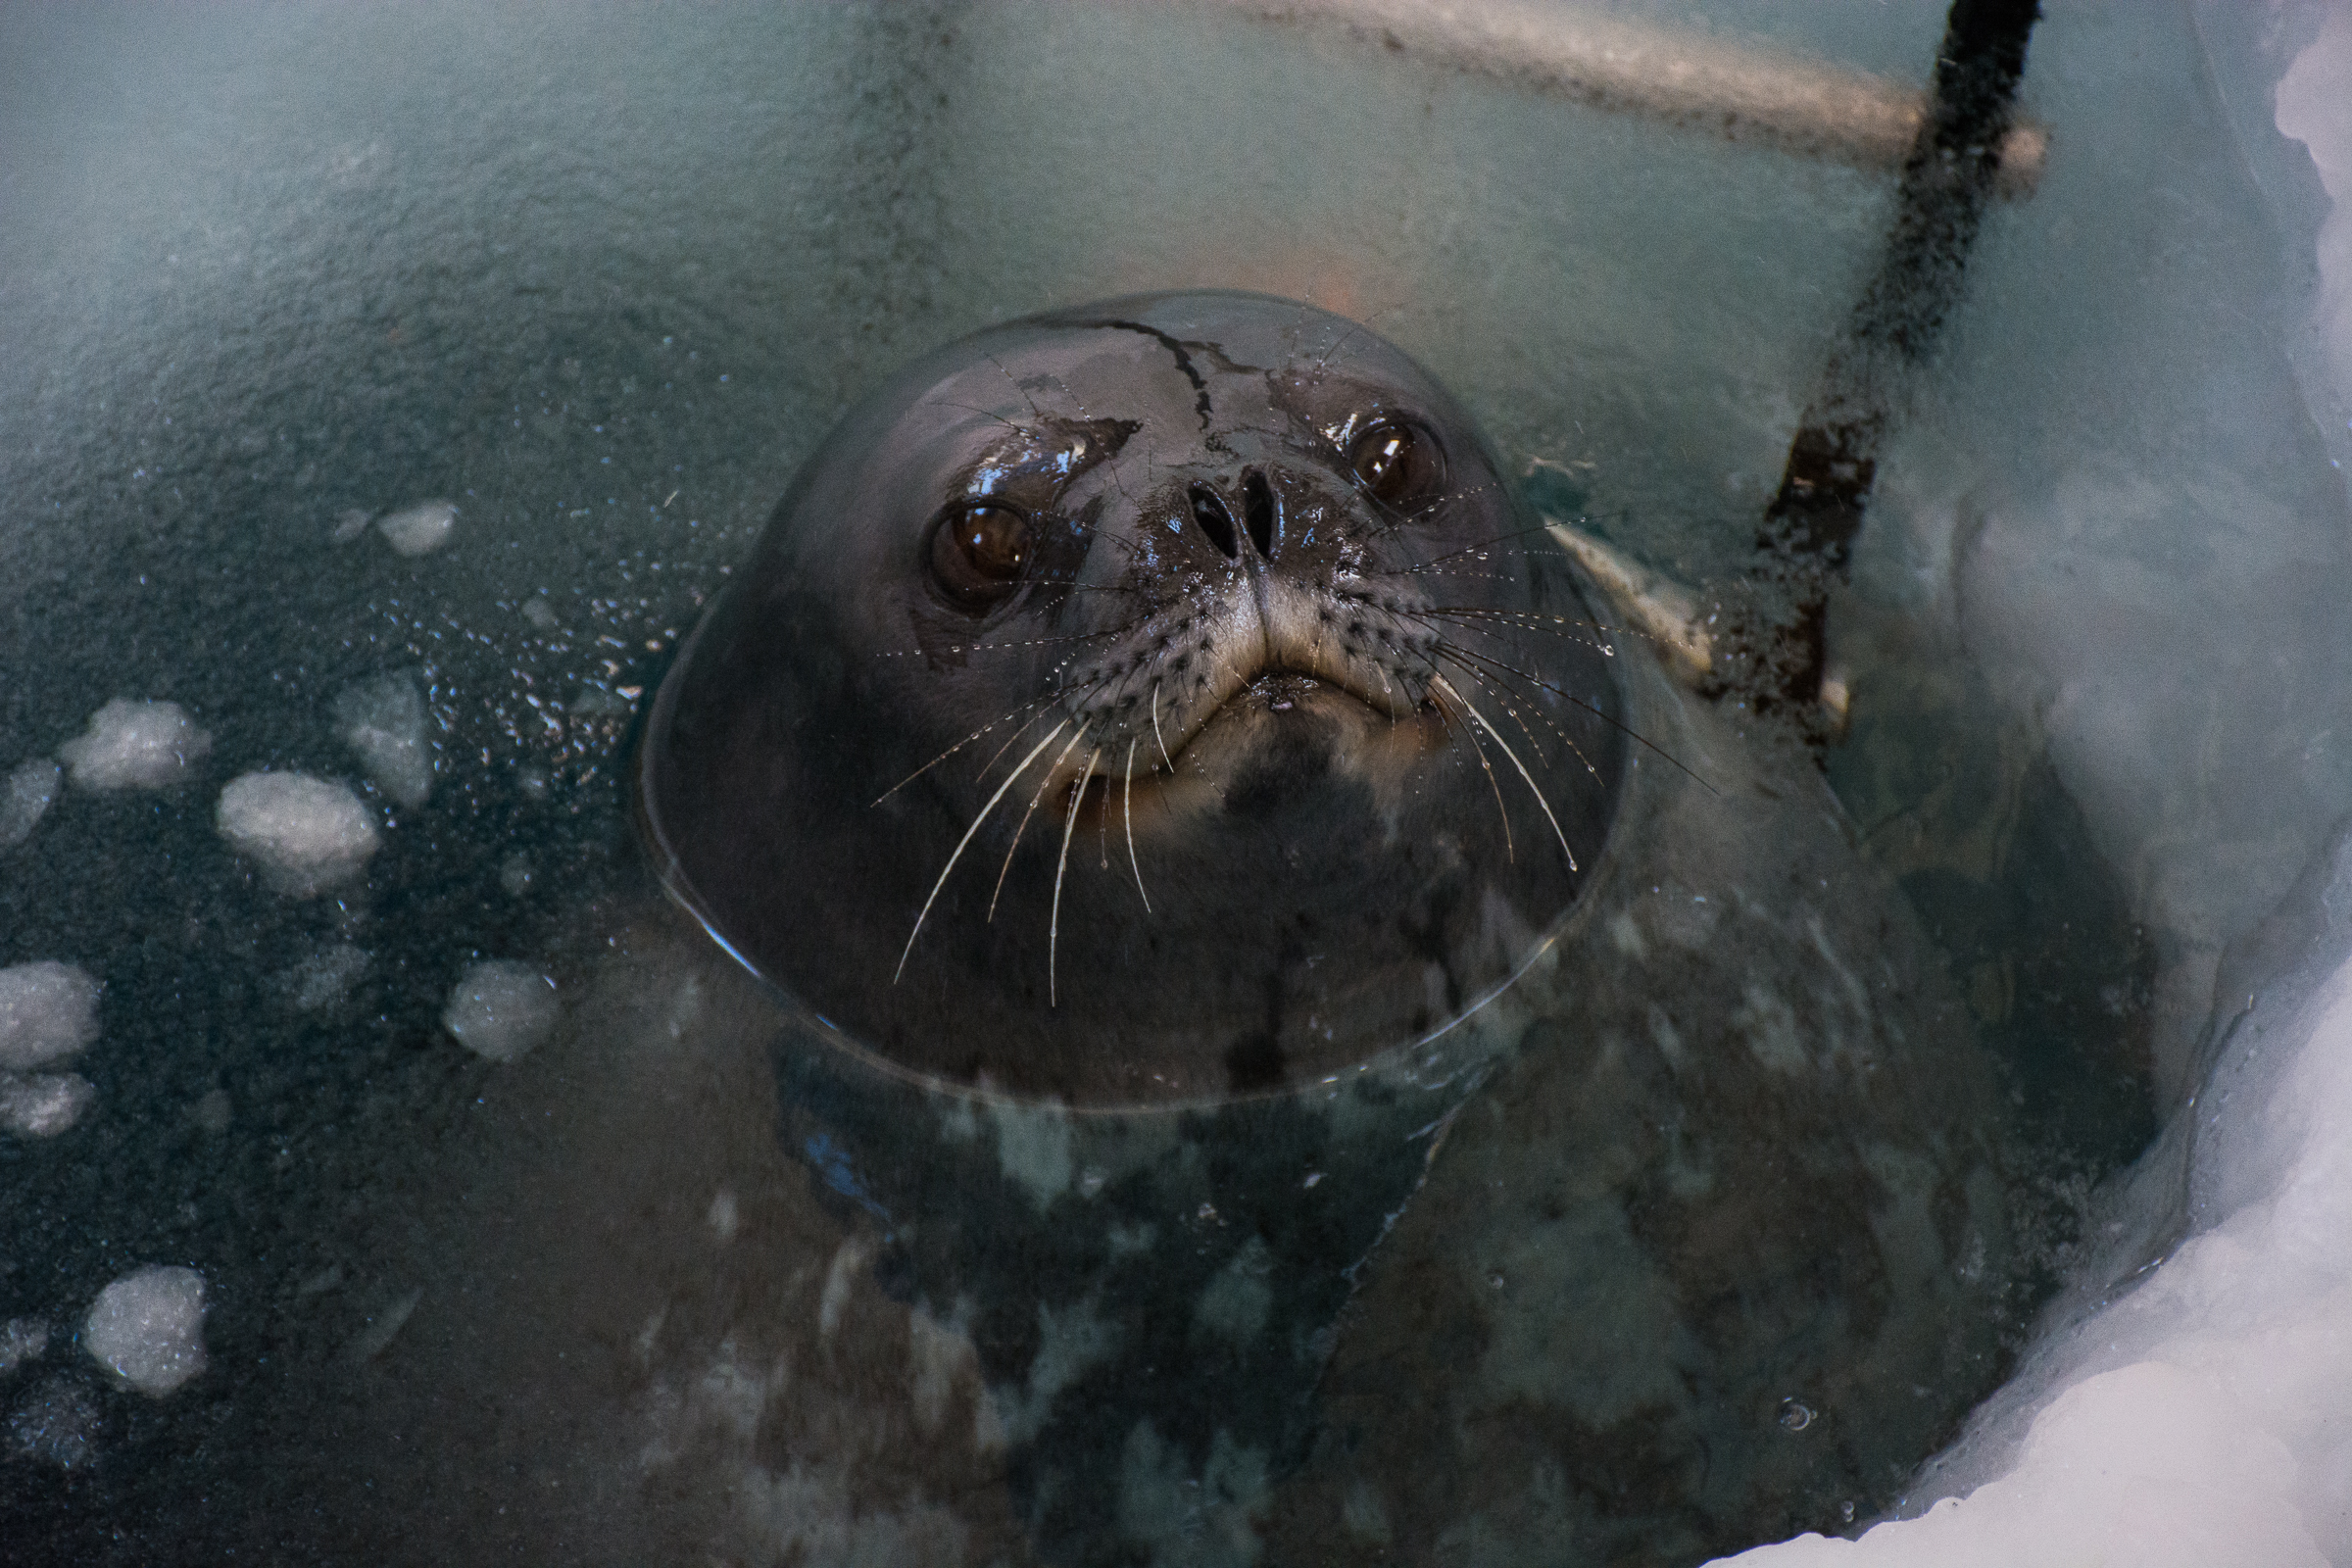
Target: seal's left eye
[
  {"x": 1398, "y": 461},
  {"x": 977, "y": 552}
]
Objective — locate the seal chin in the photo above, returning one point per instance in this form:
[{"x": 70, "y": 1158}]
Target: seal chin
[{"x": 1282, "y": 736}]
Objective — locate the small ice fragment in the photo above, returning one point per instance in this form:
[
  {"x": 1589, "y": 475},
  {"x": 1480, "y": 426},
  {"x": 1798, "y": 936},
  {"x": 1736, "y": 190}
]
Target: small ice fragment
[
  {"x": 21, "y": 1340},
  {"x": 130, "y": 745},
  {"x": 534, "y": 782},
  {"x": 324, "y": 978},
  {"x": 45, "y": 1103},
  {"x": 724, "y": 1216},
  {"x": 307, "y": 835},
  {"x": 30, "y": 789},
  {"x": 383, "y": 721},
  {"x": 213, "y": 1110},
  {"x": 382, "y": 1327},
  {"x": 540, "y": 614},
  {"x": 500, "y": 1008},
  {"x": 419, "y": 530},
  {"x": 350, "y": 525},
  {"x": 56, "y": 1425},
  {"x": 147, "y": 1327},
  {"x": 514, "y": 874},
  {"x": 47, "y": 1011}
]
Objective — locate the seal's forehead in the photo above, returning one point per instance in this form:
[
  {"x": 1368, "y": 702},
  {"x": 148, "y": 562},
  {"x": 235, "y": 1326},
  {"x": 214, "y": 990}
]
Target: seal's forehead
[{"x": 1172, "y": 360}]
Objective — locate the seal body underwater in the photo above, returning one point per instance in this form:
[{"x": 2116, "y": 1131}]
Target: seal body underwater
[
  {"x": 1481, "y": 1097},
  {"x": 1428, "y": 1087}
]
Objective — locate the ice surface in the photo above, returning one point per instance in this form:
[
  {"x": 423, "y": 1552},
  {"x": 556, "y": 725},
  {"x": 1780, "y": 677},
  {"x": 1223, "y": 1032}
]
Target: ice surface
[
  {"x": 43, "y": 1105},
  {"x": 2311, "y": 99},
  {"x": 383, "y": 721},
  {"x": 133, "y": 745},
  {"x": 2195, "y": 1413},
  {"x": 419, "y": 530},
  {"x": 147, "y": 1327},
  {"x": 21, "y": 1340},
  {"x": 308, "y": 834},
  {"x": 32, "y": 786},
  {"x": 500, "y": 1008},
  {"x": 47, "y": 1011}
]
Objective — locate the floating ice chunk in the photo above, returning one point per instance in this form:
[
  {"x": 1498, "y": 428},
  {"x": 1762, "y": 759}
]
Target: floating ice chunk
[
  {"x": 57, "y": 1425},
  {"x": 500, "y": 1008},
  {"x": 45, "y": 1103},
  {"x": 540, "y": 614},
  {"x": 305, "y": 833},
  {"x": 147, "y": 1327},
  {"x": 142, "y": 746},
  {"x": 383, "y": 721},
  {"x": 419, "y": 530},
  {"x": 30, "y": 789},
  {"x": 21, "y": 1340},
  {"x": 350, "y": 525},
  {"x": 383, "y": 1327},
  {"x": 324, "y": 978},
  {"x": 47, "y": 1011}
]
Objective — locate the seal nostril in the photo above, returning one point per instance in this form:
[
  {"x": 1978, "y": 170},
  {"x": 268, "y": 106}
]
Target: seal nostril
[
  {"x": 1208, "y": 511},
  {"x": 1257, "y": 511}
]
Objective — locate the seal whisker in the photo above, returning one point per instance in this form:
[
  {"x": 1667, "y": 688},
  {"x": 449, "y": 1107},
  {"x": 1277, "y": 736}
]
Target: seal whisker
[
  {"x": 1131, "y": 863},
  {"x": 1042, "y": 785},
  {"x": 961, "y": 745},
  {"x": 1496, "y": 736},
  {"x": 1155, "y": 734},
  {"x": 961, "y": 843},
  {"x": 1473, "y": 662},
  {"x": 1508, "y": 852},
  {"x": 1069, "y": 825}
]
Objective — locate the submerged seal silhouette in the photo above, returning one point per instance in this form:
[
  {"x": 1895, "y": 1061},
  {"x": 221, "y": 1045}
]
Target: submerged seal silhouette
[{"x": 1150, "y": 702}]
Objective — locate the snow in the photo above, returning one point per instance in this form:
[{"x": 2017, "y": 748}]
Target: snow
[
  {"x": 133, "y": 745},
  {"x": 147, "y": 1327},
  {"x": 48, "y": 1011},
  {"x": 307, "y": 835},
  {"x": 501, "y": 1010}
]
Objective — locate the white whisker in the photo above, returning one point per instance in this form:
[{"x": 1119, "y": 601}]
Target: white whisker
[
  {"x": 967, "y": 840},
  {"x": 1070, "y": 827}
]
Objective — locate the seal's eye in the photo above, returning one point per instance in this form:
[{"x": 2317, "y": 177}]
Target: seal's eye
[
  {"x": 977, "y": 552},
  {"x": 1398, "y": 461}
]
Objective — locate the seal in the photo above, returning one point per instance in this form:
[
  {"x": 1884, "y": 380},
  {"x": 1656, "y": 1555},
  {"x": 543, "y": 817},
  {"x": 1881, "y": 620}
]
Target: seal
[{"x": 1154, "y": 702}]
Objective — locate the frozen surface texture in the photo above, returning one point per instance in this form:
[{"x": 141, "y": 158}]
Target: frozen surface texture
[
  {"x": 383, "y": 721},
  {"x": 308, "y": 834},
  {"x": 130, "y": 745},
  {"x": 48, "y": 1011},
  {"x": 147, "y": 1327},
  {"x": 501, "y": 1010}
]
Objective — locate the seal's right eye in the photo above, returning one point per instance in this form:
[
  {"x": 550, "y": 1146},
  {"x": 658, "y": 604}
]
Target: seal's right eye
[{"x": 977, "y": 551}]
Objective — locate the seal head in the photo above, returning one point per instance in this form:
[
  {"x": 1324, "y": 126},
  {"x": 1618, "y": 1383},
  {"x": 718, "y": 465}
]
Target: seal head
[{"x": 1154, "y": 701}]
